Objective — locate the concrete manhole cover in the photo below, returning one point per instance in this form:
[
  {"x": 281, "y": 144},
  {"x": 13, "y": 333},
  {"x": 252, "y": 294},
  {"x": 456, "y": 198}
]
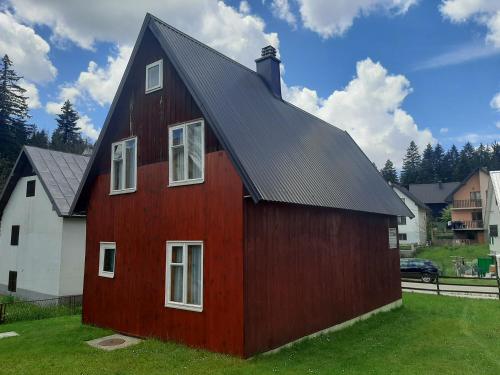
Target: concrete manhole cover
[{"x": 112, "y": 342}]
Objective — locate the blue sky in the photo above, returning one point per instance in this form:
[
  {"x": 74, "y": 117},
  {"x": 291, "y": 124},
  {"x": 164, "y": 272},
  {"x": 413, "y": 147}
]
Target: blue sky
[{"x": 388, "y": 71}]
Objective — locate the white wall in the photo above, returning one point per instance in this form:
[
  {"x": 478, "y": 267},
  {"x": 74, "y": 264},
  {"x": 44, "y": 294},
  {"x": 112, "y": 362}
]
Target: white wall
[
  {"x": 72, "y": 256},
  {"x": 493, "y": 218},
  {"x": 416, "y": 228},
  {"x": 37, "y": 257}
]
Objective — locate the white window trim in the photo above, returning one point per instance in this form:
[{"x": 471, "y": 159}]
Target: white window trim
[
  {"x": 179, "y": 305},
  {"x": 102, "y": 247},
  {"x": 184, "y": 125},
  {"x": 160, "y": 85},
  {"x": 112, "y": 174}
]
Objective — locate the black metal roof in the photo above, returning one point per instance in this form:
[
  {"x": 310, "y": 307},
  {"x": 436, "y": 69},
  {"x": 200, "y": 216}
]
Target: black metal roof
[
  {"x": 406, "y": 192},
  {"x": 60, "y": 174},
  {"x": 282, "y": 153},
  {"x": 433, "y": 193}
]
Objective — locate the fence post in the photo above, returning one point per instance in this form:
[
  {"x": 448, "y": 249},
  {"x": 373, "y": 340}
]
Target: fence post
[
  {"x": 497, "y": 273},
  {"x": 3, "y": 306},
  {"x": 437, "y": 285}
]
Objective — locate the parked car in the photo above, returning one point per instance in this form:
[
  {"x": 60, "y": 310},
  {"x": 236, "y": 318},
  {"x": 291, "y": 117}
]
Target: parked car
[{"x": 422, "y": 269}]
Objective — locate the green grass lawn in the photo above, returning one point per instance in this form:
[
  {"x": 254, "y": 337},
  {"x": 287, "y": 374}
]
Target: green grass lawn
[
  {"x": 19, "y": 310},
  {"x": 442, "y": 255},
  {"x": 428, "y": 335}
]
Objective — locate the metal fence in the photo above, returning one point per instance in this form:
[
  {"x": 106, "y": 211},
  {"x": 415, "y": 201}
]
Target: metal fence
[
  {"x": 462, "y": 286},
  {"x": 13, "y": 310}
]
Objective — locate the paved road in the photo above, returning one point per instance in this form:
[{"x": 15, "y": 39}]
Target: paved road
[{"x": 461, "y": 291}]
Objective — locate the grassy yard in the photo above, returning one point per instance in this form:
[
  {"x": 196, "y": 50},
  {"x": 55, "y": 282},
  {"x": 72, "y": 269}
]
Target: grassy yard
[
  {"x": 442, "y": 255},
  {"x": 27, "y": 311},
  {"x": 429, "y": 335}
]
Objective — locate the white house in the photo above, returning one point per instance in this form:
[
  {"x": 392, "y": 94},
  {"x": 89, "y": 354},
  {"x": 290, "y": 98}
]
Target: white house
[
  {"x": 412, "y": 230},
  {"x": 42, "y": 248},
  {"x": 492, "y": 213}
]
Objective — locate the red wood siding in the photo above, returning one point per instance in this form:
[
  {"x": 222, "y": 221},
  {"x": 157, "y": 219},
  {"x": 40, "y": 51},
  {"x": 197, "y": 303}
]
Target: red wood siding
[
  {"x": 307, "y": 269},
  {"x": 140, "y": 223}
]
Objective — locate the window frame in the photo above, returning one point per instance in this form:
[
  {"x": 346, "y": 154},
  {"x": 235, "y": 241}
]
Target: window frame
[
  {"x": 112, "y": 172},
  {"x": 160, "y": 83},
  {"x": 17, "y": 235},
  {"x": 12, "y": 282},
  {"x": 400, "y": 235},
  {"x": 401, "y": 220},
  {"x": 102, "y": 247},
  {"x": 182, "y": 305},
  {"x": 185, "y": 181},
  {"x": 29, "y": 183}
]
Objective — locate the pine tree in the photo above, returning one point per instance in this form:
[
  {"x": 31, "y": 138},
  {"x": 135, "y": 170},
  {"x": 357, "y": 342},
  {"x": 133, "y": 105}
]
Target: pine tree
[
  {"x": 439, "y": 166},
  {"x": 13, "y": 112},
  {"x": 426, "y": 175},
  {"x": 67, "y": 135},
  {"x": 389, "y": 172},
  {"x": 39, "y": 138},
  {"x": 450, "y": 165},
  {"x": 466, "y": 162},
  {"x": 494, "y": 164},
  {"x": 411, "y": 165},
  {"x": 482, "y": 156}
]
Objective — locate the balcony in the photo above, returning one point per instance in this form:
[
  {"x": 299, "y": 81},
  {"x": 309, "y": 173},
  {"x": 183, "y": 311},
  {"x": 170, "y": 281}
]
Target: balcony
[
  {"x": 466, "y": 204},
  {"x": 467, "y": 225}
]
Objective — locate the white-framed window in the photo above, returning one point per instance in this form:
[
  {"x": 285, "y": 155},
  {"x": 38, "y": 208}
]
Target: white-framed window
[
  {"x": 401, "y": 220},
  {"x": 107, "y": 259},
  {"x": 124, "y": 166},
  {"x": 184, "y": 275},
  {"x": 186, "y": 153},
  {"x": 154, "y": 76}
]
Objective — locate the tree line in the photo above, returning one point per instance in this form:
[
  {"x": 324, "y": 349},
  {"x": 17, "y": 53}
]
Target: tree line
[
  {"x": 435, "y": 164},
  {"x": 16, "y": 130}
]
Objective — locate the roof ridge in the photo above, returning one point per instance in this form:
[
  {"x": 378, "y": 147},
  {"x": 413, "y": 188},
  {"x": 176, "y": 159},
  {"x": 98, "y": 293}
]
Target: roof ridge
[
  {"x": 206, "y": 46},
  {"x": 56, "y": 151}
]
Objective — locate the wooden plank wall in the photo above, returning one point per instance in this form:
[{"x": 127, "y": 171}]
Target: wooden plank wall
[
  {"x": 140, "y": 223},
  {"x": 307, "y": 269}
]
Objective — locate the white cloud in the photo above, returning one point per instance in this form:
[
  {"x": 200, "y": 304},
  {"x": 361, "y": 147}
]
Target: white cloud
[
  {"x": 244, "y": 7},
  {"x": 369, "y": 108},
  {"x": 459, "y": 55},
  {"x": 498, "y": 124},
  {"x": 331, "y": 18},
  {"x": 27, "y": 50},
  {"x": 495, "y": 102},
  {"x": 32, "y": 94},
  {"x": 87, "y": 127},
  {"x": 281, "y": 10},
  {"x": 444, "y": 130},
  {"x": 476, "y": 138},
  {"x": 483, "y": 12},
  {"x": 235, "y": 33}
]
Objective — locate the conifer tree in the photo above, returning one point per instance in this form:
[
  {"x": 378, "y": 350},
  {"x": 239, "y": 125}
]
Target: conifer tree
[
  {"x": 411, "y": 165},
  {"x": 426, "y": 175},
  {"x": 67, "y": 137},
  {"x": 39, "y": 138},
  {"x": 13, "y": 112},
  {"x": 466, "y": 161},
  {"x": 439, "y": 166},
  {"x": 389, "y": 172}
]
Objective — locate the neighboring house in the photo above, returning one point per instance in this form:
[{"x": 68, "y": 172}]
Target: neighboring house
[
  {"x": 412, "y": 230},
  {"x": 433, "y": 195},
  {"x": 492, "y": 213},
  {"x": 468, "y": 201},
  {"x": 42, "y": 248},
  {"x": 223, "y": 217}
]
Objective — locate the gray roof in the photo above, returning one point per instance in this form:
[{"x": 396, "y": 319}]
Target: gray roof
[
  {"x": 406, "y": 192},
  {"x": 282, "y": 153},
  {"x": 433, "y": 193},
  {"x": 60, "y": 174}
]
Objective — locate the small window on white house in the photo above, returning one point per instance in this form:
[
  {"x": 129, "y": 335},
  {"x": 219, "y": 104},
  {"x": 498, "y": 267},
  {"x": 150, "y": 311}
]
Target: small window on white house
[
  {"x": 184, "y": 275},
  {"x": 402, "y": 236},
  {"x": 154, "y": 76},
  {"x": 124, "y": 166},
  {"x": 107, "y": 255},
  {"x": 401, "y": 220},
  {"x": 186, "y": 153}
]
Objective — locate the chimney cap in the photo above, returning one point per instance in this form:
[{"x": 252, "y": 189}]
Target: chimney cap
[{"x": 268, "y": 51}]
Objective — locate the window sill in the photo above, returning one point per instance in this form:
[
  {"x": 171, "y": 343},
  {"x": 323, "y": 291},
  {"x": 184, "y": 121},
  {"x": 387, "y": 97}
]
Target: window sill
[
  {"x": 108, "y": 275},
  {"x": 149, "y": 91},
  {"x": 118, "y": 192},
  {"x": 182, "y": 306},
  {"x": 186, "y": 182}
]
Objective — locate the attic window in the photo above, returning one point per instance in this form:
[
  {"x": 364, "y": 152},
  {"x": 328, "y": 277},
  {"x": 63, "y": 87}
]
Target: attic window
[
  {"x": 186, "y": 153},
  {"x": 124, "y": 166},
  {"x": 30, "y": 188},
  {"x": 154, "y": 76}
]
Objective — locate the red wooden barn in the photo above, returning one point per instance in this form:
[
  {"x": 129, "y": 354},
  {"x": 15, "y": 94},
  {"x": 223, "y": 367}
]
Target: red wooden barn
[{"x": 223, "y": 217}]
